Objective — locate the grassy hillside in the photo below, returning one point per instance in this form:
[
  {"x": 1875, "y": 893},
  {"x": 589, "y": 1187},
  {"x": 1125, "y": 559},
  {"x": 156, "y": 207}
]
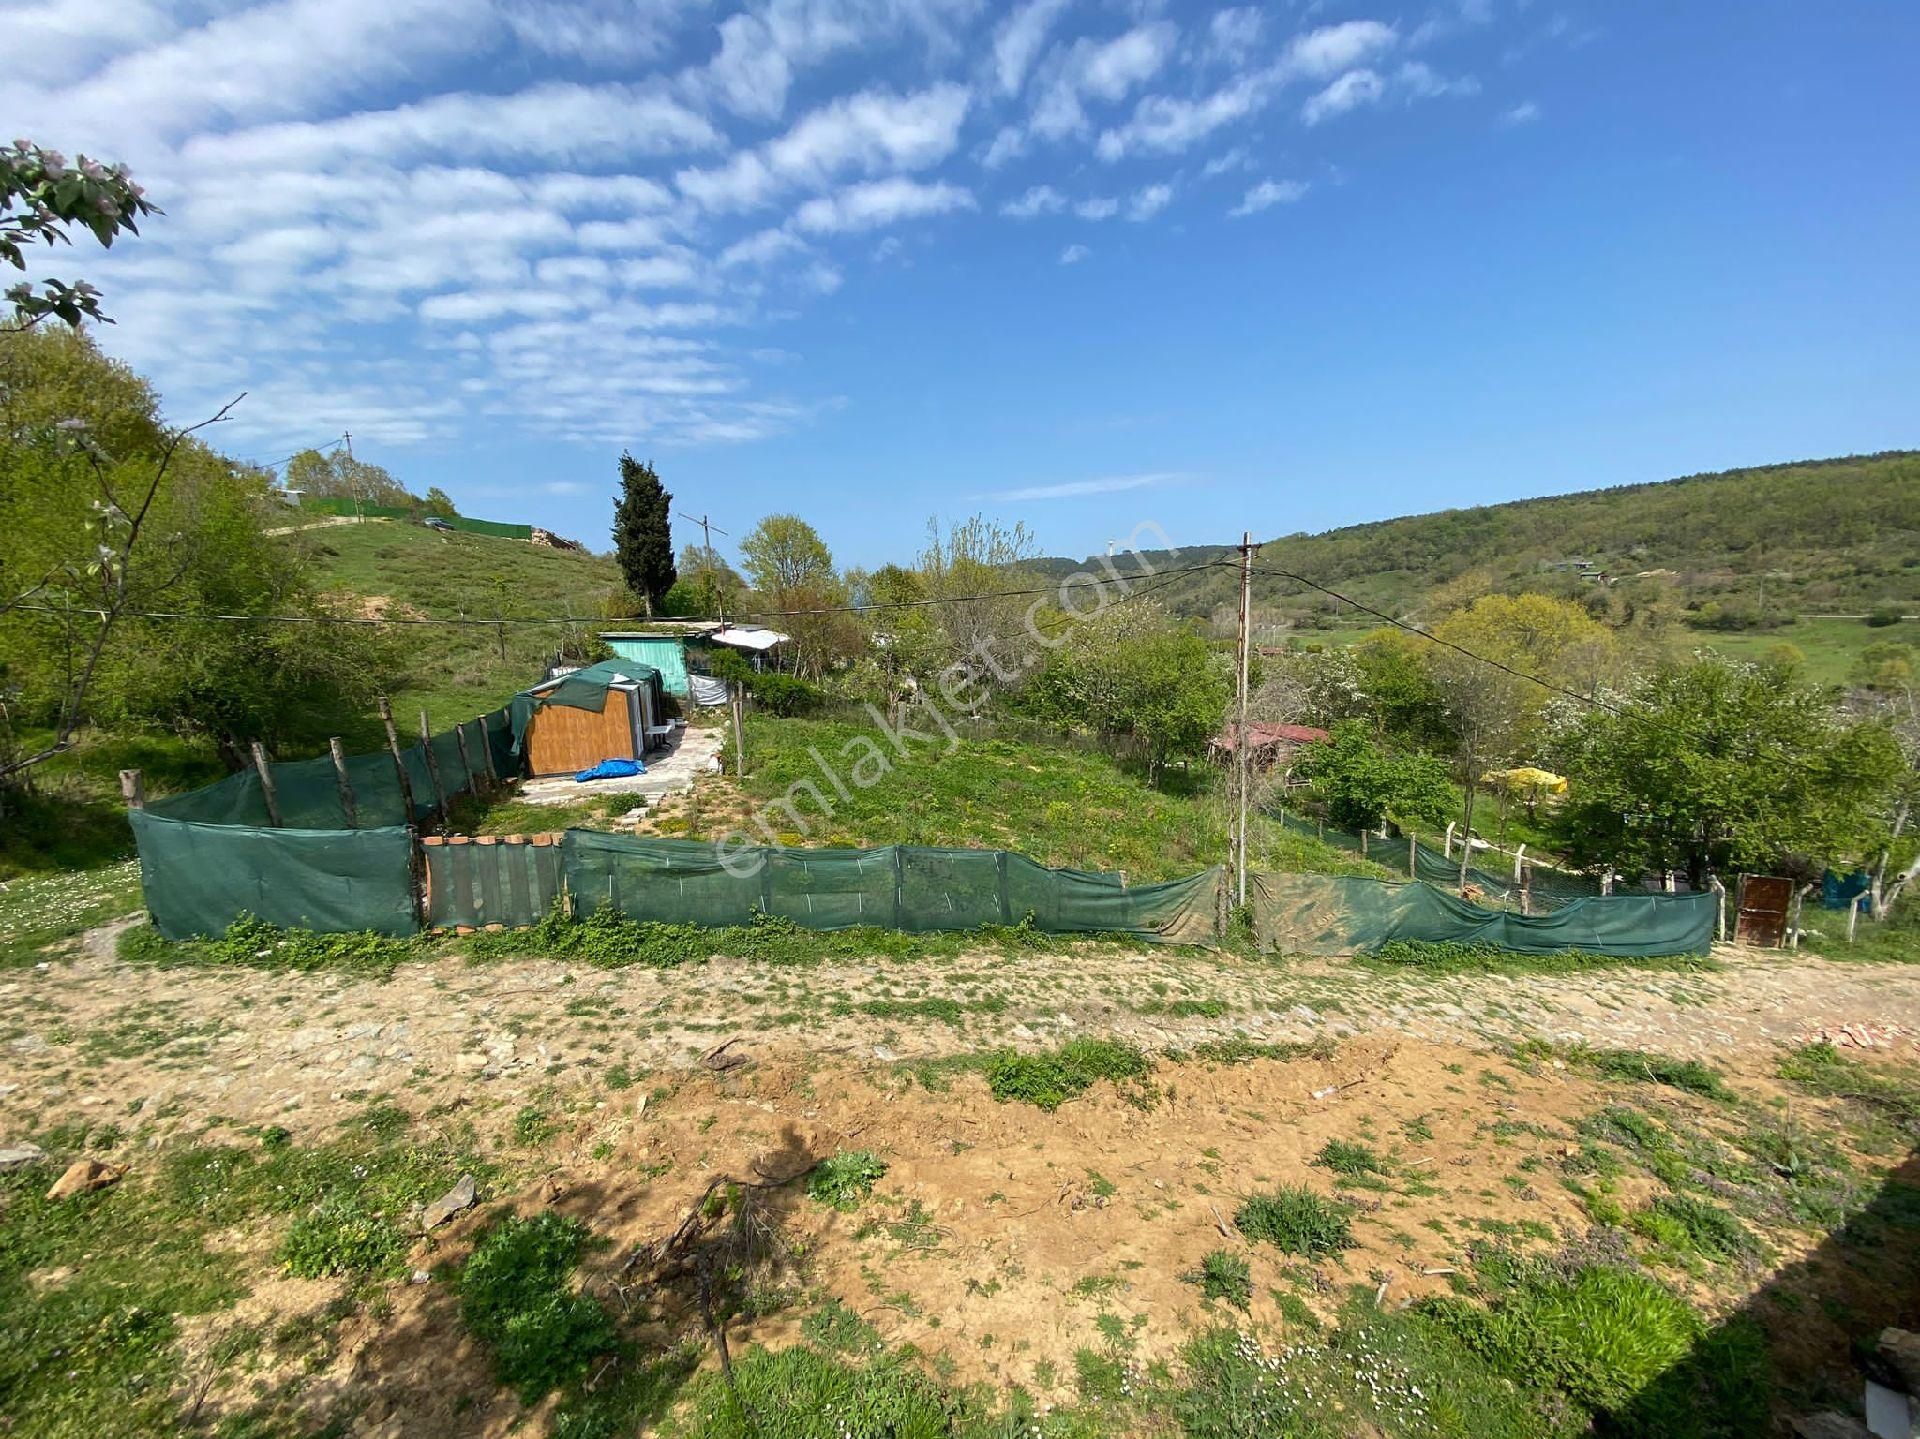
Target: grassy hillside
[
  {"x": 1819, "y": 536},
  {"x": 457, "y": 672}
]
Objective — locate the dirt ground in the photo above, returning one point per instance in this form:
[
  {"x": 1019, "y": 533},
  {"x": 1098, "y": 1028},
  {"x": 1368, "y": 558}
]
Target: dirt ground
[
  {"x": 1002, "y": 1238},
  {"x": 166, "y": 1048}
]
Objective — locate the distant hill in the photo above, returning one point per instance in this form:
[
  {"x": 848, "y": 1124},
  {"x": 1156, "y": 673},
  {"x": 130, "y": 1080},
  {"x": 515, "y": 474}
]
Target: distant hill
[
  {"x": 1817, "y": 536},
  {"x": 402, "y": 569}
]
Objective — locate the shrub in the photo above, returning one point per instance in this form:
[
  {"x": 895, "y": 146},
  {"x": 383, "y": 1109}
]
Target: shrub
[
  {"x": 784, "y": 695},
  {"x": 1295, "y": 1220},
  {"x": 1884, "y": 615},
  {"x": 517, "y": 1297},
  {"x": 1050, "y": 1080},
  {"x": 340, "y": 1236},
  {"x": 844, "y": 1180},
  {"x": 1226, "y": 1275}
]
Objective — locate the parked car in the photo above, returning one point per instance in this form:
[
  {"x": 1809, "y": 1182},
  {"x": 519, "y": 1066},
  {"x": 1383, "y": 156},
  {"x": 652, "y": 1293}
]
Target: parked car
[{"x": 434, "y": 522}]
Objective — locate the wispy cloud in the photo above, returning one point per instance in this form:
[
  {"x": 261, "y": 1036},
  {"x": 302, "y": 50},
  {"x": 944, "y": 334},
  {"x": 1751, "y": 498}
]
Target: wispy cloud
[
  {"x": 1076, "y": 489},
  {"x": 1349, "y": 92},
  {"x": 1525, "y": 113},
  {"x": 1074, "y": 254},
  {"x": 1267, "y": 194}
]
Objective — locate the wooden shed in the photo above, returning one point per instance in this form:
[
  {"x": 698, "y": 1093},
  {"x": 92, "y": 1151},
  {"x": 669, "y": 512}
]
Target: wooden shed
[{"x": 612, "y": 710}]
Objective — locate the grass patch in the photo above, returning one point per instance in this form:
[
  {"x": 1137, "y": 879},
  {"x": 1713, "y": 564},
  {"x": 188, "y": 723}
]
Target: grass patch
[
  {"x": 1295, "y": 1220},
  {"x": 1049, "y": 1080},
  {"x": 1822, "y": 1069},
  {"x": 1237, "y": 1049},
  {"x": 41, "y": 913},
  {"x": 1642, "y": 1067},
  {"x": 1687, "y": 1225},
  {"x": 1226, "y": 1276},
  {"x": 1452, "y": 956},
  {"x": 254, "y": 944},
  {"x": 844, "y": 1180},
  {"x": 517, "y": 1297},
  {"x": 838, "y": 1329},
  {"x": 1350, "y": 1161}
]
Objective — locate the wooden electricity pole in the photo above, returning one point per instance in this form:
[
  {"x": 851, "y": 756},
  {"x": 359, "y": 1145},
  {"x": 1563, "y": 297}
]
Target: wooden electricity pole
[
  {"x": 1240, "y": 723},
  {"x": 707, "y": 531}
]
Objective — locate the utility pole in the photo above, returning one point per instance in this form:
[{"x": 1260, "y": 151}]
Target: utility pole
[
  {"x": 1240, "y": 726},
  {"x": 353, "y": 477},
  {"x": 707, "y": 531}
]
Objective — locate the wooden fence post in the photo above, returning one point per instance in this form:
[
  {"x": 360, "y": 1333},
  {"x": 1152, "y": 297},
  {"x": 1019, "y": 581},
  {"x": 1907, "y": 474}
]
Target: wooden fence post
[
  {"x": 399, "y": 764},
  {"x": 486, "y": 751},
  {"x": 739, "y": 735},
  {"x": 433, "y": 765},
  {"x": 347, "y": 805},
  {"x": 267, "y": 791},
  {"x": 133, "y": 789},
  {"x": 466, "y": 759}
]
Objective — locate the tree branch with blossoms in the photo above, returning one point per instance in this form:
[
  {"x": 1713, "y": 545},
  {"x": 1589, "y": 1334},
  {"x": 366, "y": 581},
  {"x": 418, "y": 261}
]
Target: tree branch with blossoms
[{"x": 43, "y": 198}]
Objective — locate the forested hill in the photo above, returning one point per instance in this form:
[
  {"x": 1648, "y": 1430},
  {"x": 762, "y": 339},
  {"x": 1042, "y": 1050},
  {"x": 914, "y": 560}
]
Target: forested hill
[{"x": 1813, "y": 536}]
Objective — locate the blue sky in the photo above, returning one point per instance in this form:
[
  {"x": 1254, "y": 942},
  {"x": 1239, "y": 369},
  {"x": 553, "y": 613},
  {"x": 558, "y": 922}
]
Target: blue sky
[{"x": 1087, "y": 265}]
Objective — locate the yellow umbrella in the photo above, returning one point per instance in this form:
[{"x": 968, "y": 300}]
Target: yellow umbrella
[{"x": 1527, "y": 777}]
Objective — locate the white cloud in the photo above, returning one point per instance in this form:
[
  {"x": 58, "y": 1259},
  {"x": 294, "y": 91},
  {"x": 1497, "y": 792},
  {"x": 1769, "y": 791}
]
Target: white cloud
[
  {"x": 1040, "y": 200},
  {"x": 1010, "y": 143},
  {"x": 1075, "y": 489},
  {"x": 559, "y": 121},
  {"x": 1233, "y": 34},
  {"x": 1097, "y": 207},
  {"x": 1525, "y": 113},
  {"x": 1018, "y": 40},
  {"x": 1235, "y": 159},
  {"x": 643, "y": 233},
  {"x": 60, "y": 41},
  {"x": 1267, "y": 194},
  {"x": 1420, "y": 81},
  {"x": 1096, "y": 70},
  {"x": 873, "y": 131},
  {"x": 1149, "y": 201},
  {"x": 1074, "y": 254},
  {"x": 761, "y": 248},
  {"x": 598, "y": 32},
  {"x": 881, "y": 202},
  {"x": 667, "y": 271},
  {"x": 749, "y": 74},
  {"x": 1166, "y": 124},
  {"x": 1351, "y": 90}
]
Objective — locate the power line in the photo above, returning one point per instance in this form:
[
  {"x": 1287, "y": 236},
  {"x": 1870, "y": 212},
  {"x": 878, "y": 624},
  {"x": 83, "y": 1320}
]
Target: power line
[{"x": 429, "y": 621}]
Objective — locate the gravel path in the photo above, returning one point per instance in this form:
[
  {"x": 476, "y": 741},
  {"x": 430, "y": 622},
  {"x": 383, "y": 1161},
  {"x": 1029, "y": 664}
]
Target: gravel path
[{"x": 163, "y": 1051}]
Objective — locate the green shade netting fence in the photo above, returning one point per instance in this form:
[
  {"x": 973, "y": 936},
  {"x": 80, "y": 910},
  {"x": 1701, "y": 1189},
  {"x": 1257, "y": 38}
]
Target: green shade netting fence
[
  {"x": 1329, "y": 914},
  {"x": 198, "y": 878},
  {"x": 1546, "y": 888},
  {"x": 334, "y": 505},
  {"x": 900, "y": 887}
]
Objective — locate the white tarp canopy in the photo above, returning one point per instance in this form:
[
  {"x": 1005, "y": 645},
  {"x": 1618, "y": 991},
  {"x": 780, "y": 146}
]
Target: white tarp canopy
[{"x": 746, "y": 637}]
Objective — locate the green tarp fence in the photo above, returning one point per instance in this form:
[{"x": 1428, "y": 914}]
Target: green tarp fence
[
  {"x": 899, "y": 887},
  {"x": 1546, "y": 888},
  {"x": 1332, "y": 914},
  {"x": 198, "y": 878},
  {"x": 334, "y": 505},
  {"x": 510, "y": 881},
  {"x": 211, "y": 855}
]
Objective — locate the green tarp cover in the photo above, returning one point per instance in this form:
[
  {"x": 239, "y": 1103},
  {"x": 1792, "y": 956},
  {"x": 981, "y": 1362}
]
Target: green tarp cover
[
  {"x": 199, "y": 878},
  {"x": 584, "y": 689},
  {"x": 1330, "y": 914},
  {"x": 901, "y": 887},
  {"x": 482, "y": 884}
]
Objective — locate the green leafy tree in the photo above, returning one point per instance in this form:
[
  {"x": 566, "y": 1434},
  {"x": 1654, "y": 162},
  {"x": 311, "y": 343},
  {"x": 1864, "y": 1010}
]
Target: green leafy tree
[
  {"x": 43, "y": 199},
  {"x": 439, "y": 504},
  {"x": 643, "y": 533},
  {"x": 783, "y": 553},
  {"x": 338, "y": 476},
  {"x": 1364, "y": 784},
  {"x": 1717, "y": 764}
]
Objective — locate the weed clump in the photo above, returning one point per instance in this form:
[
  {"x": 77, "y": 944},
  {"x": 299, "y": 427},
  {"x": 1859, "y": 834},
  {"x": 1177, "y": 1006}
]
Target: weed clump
[
  {"x": 341, "y": 1235},
  {"x": 1350, "y": 1161},
  {"x": 844, "y": 1180},
  {"x": 517, "y": 1297},
  {"x": 1226, "y": 1276},
  {"x": 1635, "y": 1064},
  {"x": 1050, "y": 1080},
  {"x": 253, "y": 943},
  {"x": 1295, "y": 1220}
]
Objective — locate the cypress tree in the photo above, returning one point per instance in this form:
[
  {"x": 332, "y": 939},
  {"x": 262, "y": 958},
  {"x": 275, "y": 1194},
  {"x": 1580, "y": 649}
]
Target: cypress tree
[{"x": 642, "y": 532}]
